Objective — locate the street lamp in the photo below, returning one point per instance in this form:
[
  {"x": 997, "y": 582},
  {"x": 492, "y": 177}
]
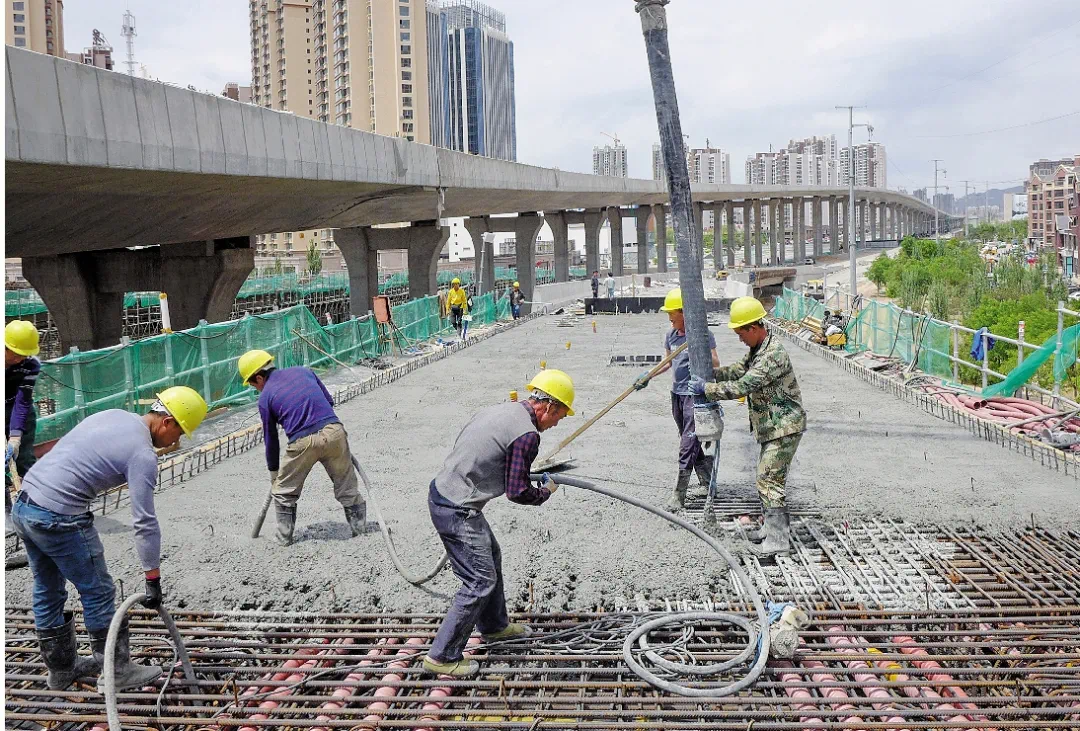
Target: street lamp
[{"x": 851, "y": 193}]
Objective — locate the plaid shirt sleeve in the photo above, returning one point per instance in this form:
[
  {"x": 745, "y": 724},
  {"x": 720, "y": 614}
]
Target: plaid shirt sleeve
[{"x": 519, "y": 489}]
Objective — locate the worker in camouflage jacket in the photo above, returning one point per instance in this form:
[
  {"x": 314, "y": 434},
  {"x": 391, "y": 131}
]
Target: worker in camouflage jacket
[{"x": 765, "y": 377}]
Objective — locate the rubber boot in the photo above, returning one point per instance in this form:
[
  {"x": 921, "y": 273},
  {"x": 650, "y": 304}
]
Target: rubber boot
[
  {"x": 286, "y": 524},
  {"x": 126, "y": 674},
  {"x": 678, "y": 496},
  {"x": 61, "y": 657},
  {"x": 777, "y": 533},
  {"x": 755, "y": 535},
  {"x": 356, "y": 515},
  {"x": 704, "y": 471}
]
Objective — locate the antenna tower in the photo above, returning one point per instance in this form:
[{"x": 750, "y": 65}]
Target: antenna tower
[{"x": 129, "y": 36}]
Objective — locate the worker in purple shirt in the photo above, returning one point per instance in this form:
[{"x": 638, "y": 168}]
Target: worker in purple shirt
[
  {"x": 691, "y": 456},
  {"x": 296, "y": 399},
  {"x": 21, "y": 371},
  {"x": 491, "y": 457}
]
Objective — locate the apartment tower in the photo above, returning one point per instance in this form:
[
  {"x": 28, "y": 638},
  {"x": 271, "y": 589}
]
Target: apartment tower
[{"x": 37, "y": 25}]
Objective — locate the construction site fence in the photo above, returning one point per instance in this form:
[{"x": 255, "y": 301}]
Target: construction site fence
[
  {"x": 943, "y": 349},
  {"x": 129, "y": 375},
  {"x": 26, "y": 302}
]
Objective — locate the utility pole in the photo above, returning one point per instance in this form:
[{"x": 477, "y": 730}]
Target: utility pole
[
  {"x": 708, "y": 420},
  {"x": 854, "y": 278},
  {"x": 937, "y": 226},
  {"x": 986, "y": 201},
  {"x": 965, "y": 182}
]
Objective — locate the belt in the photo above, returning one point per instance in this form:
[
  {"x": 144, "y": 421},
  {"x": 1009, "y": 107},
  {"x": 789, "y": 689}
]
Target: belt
[{"x": 25, "y": 498}]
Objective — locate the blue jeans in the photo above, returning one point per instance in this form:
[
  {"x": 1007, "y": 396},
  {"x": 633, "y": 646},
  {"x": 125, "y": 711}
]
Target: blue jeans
[
  {"x": 476, "y": 559},
  {"x": 64, "y": 547},
  {"x": 515, "y": 310}
]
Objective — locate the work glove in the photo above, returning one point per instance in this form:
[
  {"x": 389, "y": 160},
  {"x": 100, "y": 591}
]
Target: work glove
[
  {"x": 152, "y": 600},
  {"x": 273, "y": 478},
  {"x": 697, "y": 385},
  {"x": 641, "y": 381},
  {"x": 546, "y": 481},
  {"x": 13, "y": 448}
]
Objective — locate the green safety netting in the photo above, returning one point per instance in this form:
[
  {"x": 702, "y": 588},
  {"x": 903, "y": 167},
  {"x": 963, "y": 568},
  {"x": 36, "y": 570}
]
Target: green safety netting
[
  {"x": 204, "y": 358},
  {"x": 1064, "y": 358}
]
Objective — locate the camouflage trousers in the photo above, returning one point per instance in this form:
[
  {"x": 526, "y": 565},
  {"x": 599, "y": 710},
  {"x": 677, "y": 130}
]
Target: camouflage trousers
[{"x": 772, "y": 469}]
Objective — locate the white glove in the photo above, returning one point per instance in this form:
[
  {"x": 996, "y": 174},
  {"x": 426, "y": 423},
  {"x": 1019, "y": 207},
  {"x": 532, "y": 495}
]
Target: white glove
[{"x": 13, "y": 446}]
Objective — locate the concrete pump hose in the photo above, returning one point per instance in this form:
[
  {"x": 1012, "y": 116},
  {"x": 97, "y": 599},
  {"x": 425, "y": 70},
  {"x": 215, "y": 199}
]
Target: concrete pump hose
[
  {"x": 414, "y": 579},
  {"x": 638, "y": 634},
  {"x": 108, "y": 672}
]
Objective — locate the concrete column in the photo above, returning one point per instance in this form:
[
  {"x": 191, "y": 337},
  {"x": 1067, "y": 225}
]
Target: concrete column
[
  {"x": 477, "y": 226},
  {"x": 699, "y": 229},
  {"x": 426, "y": 242},
  {"x": 615, "y": 219},
  {"x": 799, "y": 207},
  {"x": 816, "y": 222},
  {"x": 864, "y": 223},
  {"x": 660, "y": 226},
  {"x": 526, "y": 227},
  {"x": 873, "y": 221},
  {"x": 834, "y": 225},
  {"x": 758, "y": 229},
  {"x": 729, "y": 207},
  {"x": 642, "y": 215},
  {"x": 594, "y": 219},
  {"x": 718, "y": 236},
  {"x": 747, "y": 233},
  {"x": 84, "y": 292},
  {"x": 556, "y": 221},
  {"x": 776, "y": 231},
  {"x": 362, "y": 261}
]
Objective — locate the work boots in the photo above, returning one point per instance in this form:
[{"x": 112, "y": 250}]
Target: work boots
[
  {"x": 777, "y": 533},
  {"x": 512, "y": 631},
  {"x": 356, "y": 515},
  {"x": 704, "y": 469},
  {"x": 61, "y": 657},
  {"x": 126, "y": 674},
  {"x": 462, "y": 668},
  {"x": 678, "y": 496},
  {"x": 286, "y": 524}
]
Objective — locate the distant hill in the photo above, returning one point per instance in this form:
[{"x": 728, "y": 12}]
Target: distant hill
[{"x": 995, "y": 196}]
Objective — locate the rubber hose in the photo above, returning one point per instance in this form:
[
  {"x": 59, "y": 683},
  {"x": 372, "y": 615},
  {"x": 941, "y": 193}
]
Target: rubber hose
[
  {"x": 638, "y": 634},
  {"x": 108, "y": 672},
  {"x": 414, "y": 579}
]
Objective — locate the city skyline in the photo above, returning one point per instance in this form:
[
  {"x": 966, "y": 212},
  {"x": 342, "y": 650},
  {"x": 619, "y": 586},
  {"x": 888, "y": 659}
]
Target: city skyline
[{"x": 610, "y": 85}]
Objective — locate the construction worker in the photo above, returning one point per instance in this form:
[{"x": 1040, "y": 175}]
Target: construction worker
[
  {"x": 777, "y": 417},
  {"x": 296, "y": 399},
  {"x": 52, "y": 516},
  {"x": 691, "y": 456},
  {"x": 21, "y": 371},
  {"x": 517, "y": 299},
  {"x": 595, "y": 284},
  {"x": 609, "y": 285},
  {"x": 491, "y": 457},
  {"x": 457, "y": 303}
]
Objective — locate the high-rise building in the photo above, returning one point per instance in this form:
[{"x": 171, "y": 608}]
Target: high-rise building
[
  {"x": 1052, "y": 192},
  {"x": 610, "y": 160},
  {"x": 438, "y": 53},
  {"x": 810, "y": 161},
  {"x": 481, "y": 103},
  {"x": 37, "y": 25},
  {"x": 237, "y": 93},
  {"x": 98, "y": 54},
  {"x": 760, "y": 168},
  {"x": 709, "y": 165},
  {"x": 659, "y": 171},
  {"x": 870, "y": 165},
  {"x": 283, "y": 59}
]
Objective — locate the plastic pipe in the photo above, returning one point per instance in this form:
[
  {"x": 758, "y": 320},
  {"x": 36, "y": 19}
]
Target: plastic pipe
[
  {"x": 345, "y": 691},
  {"x": 443, "y": 691},
  {"x": 871, "y": 683},
  {"x": 404, "y": 657}
]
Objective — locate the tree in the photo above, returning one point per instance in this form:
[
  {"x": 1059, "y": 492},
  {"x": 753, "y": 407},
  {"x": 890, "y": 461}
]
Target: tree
[
  {"x": 879, "y": 270},
  {"x": 278, "y": 268},
  {"x": 314, "y": 259}
]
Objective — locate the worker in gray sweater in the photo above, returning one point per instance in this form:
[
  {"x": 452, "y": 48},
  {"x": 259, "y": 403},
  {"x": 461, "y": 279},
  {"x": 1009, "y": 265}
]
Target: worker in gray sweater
[{"x": 52, "y": 516}]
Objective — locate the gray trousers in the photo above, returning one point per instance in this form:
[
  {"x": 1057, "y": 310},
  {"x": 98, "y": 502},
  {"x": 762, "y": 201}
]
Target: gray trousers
[{"x": 476, "y": 559}]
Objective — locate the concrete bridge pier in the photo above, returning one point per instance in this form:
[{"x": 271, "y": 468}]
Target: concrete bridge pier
[
  {"x": 798, "y": 208},
  {"x": 424, "y": 241},
  {"x": 526, "y": 228},
  {"x": 776, "y": 235},
  {"x": 729, "y": 207},
  {"x": 699, "y": 228},
  {"x": 615, "y": 218},
  {"x": 834, "y": 225},
  {"x": 758, "y": 260},
  {"x": 477, "y": 226},
  {"x": 85, "y": 291},
  {"x": 556, "y": 221},
  {"x": 816, "y": 217},
  {"x": 641, "y": 216},
  {"x": 594, "y": 220},
  {"x": 660, "y": 227}
]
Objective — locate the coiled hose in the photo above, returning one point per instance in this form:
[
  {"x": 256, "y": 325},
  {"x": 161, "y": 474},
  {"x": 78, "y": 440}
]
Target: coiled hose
[
  {"x": 108, "y": 672},
  {"x": 757, "y": 641}
]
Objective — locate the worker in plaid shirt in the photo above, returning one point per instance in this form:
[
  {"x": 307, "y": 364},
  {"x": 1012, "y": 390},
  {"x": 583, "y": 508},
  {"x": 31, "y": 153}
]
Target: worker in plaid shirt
[{"x": 491, "y": 457}]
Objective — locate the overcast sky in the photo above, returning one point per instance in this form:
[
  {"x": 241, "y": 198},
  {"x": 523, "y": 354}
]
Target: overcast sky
[{"x": 930, "y": 73}]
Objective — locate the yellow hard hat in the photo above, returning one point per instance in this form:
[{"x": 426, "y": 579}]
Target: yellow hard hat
[
  {"x": 555, "y": 384},
  {"x": 672, "y": 301},
  {"x": 455, "y": 280},
  {"x": 185, "y": 405},
  {"x": 517, "y": 284},
  {"x": 746, "y": 310},
  {"x": 21, "y": 337},
  {"x": 252, "y": 362}
]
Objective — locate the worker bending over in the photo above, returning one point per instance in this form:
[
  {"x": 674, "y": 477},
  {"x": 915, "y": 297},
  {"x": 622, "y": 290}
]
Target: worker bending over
[
  {"x": 691, "y": 456},
  {"x": 457, "y": 303},
  {"x": 52, "y": 516},
  {"x": 491, "y": 457},
  {"x": 21, "y": 371},
  {"x": 296, "y": 399},
  {"x": 517, "y": 299},
  {"x": 777, "y": 417}
]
